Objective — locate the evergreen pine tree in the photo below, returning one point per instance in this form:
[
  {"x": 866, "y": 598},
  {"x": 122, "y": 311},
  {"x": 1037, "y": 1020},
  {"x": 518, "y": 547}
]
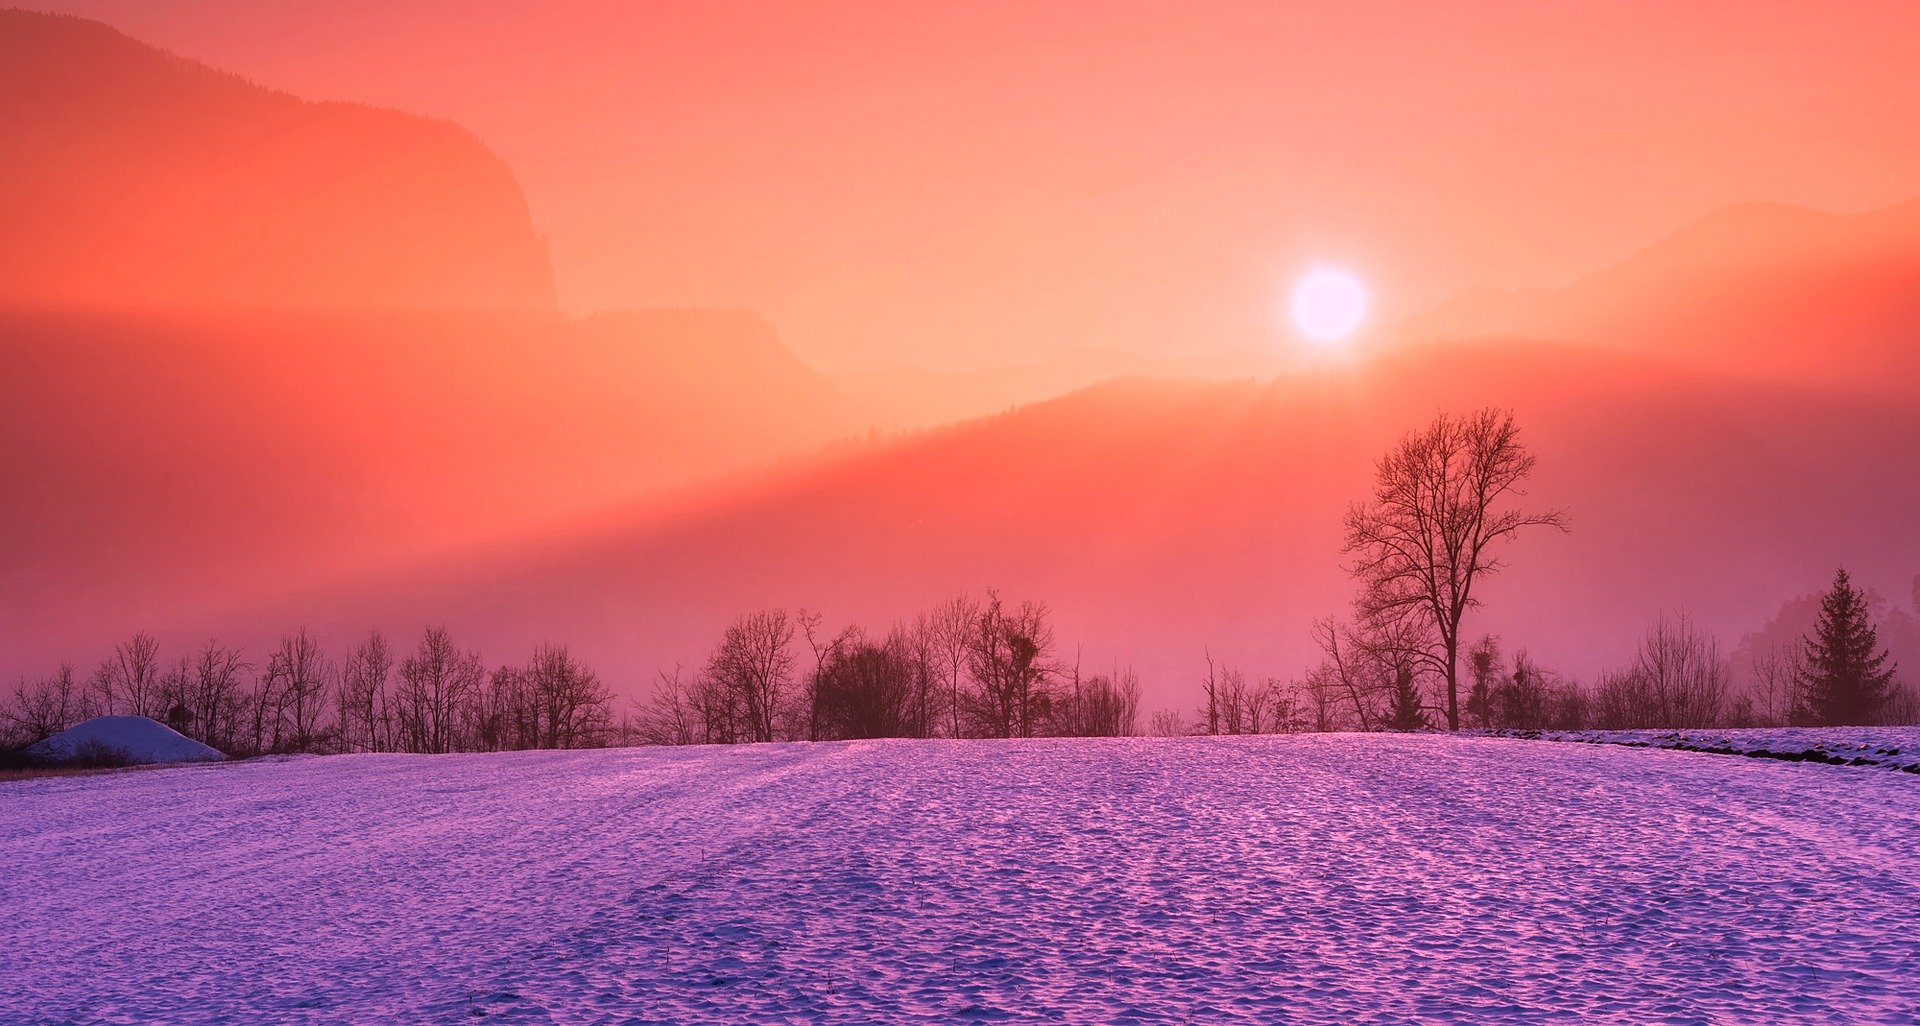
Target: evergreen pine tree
[
  {"x": 1845, "y": 682},
  {"x": 1406, "y": 713}
]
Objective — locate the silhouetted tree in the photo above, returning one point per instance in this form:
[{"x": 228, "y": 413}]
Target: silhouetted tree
[
  {"x": 296, "y": 681},
  {"x": 1429, "y": 533},
  {"x": 128, "y": 682},
  {"x": 1846, "y": 678},
  {"x": 1319, "y": 697},
  {"x": 1343, "y": 673},
  {"x": 752, "y": 669},
  {"x": 1483, "y": 661},
  {"x": 1776, "y": 682},
  {"x": 1407, "y": 712},
  {"x": 571, "y": 706},
  {"x": 1524, "y": 699},
  {"x": 504, "y": 715},
  {"x": 1677, "y": 679},
  {"x": 218, "y": 695},
  {"x": 1104, "y": 705},
  {"x": 864, "y": 690},
  {"x": 1214, "y": 699},
  {"x": 366, "y": 714},
  {"x": 44, "y": 708},
  {"x": 1009, "y": 665},
  {"x": 671, "y": 715},
  {"x": 917, "y": 646},
  {"x": 951, "y": 626},
  {"x": 436, "y": 684}
]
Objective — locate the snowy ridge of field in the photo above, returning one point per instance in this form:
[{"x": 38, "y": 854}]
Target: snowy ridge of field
[
  {"x": 1309, "y": 879},
  {"x": 1895, "y": 748}
]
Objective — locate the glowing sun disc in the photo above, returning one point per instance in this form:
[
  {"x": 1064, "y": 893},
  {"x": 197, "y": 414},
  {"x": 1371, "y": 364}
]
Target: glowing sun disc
[{"x": 1328, "y": 305}]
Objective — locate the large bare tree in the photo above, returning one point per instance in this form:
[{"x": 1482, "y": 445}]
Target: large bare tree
[
  {"x": 129, "y": 681},
  {"x": 1432, "y": 529},
  {"x": 366, "y": 712},
  {"x": 1010, "y": 663},
  {"x": 296, "y": 679},
  {"x": 437, "y": 683},
  {"x": 571, "y": 703},
  {"x": 952, "y": 625},
  {"x": 754, "y": 665}
]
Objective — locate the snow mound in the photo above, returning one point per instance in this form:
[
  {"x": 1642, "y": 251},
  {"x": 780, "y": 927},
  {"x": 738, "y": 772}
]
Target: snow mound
[{"x": 141, "y": 739}]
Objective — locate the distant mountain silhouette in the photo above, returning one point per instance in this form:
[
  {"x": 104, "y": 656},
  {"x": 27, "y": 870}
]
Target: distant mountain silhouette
[
  {"x": 134, "y": 178},
  {"x": 1757, "y": 290},
  {"x": 251, "y": 343}
]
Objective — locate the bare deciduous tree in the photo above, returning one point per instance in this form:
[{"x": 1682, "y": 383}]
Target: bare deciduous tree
[
  {"x": 670, "y": 715},
  {"x": 1677, "y": 679},
  {"x": 1168, "y": 723},
  {"x": 570, "y": 702},
  {"x": 436, "y": 683},
  {"x": 1776, "y": 682},
  {"x": 296, "y": 679},
  {"x": 366, "y": 714},
  {"x": 1429, "y": 532},
  {"x": 1009, "y": 663},
  {"x": 864, "y": 690},
  {"x": 1104, "y": 705},
  {"x": 128, "y": 682},
  {"x": 44, "y": 708},
  {"x": 951, "y": 624},
  {"x": 1483, "y": 662},
  {"x": 753, "y": 666},
  {"x": 1353, "y": 670},
  {"x": 1319, "y": 698}
]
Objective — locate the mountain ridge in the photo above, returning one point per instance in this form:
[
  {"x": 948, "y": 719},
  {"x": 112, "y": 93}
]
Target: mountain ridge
[{"x": 144, "y": 179}]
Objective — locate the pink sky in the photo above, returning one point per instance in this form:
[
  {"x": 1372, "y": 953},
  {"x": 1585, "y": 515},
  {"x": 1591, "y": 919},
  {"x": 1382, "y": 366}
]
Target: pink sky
[{"x": 982, "y": 184}]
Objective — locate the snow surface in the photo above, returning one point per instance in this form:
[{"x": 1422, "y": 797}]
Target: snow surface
[
  {"x": 143, "y": 740},
  {"x": 1314, "y": 879},
  {"x": 1896, "y": 748}
]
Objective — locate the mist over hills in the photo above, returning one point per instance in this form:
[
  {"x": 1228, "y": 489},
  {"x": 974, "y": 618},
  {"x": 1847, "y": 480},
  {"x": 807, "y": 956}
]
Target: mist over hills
[
  {"x": 303, "y": 391},
  {"x": 172, "y": 458},
  {"x": 1166, "y": 520},
  {"x": 1756, "y": 289},
  {"x": 251, "y": 340}
]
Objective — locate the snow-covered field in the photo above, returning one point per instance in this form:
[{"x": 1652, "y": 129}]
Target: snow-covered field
[
  {"x": 1279, "y": 879},
  {"x": 1895, "y": 748}
]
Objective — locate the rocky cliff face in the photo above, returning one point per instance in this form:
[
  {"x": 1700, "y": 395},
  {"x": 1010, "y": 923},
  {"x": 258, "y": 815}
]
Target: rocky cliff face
[{"x": 134, "y": 178}]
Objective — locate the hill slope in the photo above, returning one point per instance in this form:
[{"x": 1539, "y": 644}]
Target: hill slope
[
  {"x": 1757, "y": 290},
  {"x": 167, "y": 461},
  {"x": 1164, "y": 520}
]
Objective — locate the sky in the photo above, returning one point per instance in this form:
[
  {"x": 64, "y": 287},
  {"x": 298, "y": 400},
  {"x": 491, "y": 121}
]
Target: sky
[{"x": 969, "y": 186}]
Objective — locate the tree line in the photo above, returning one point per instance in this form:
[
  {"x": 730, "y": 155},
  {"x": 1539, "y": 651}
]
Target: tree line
[
  {"x": 1677, "y": 677},
  {"x": 437, "y": 698},
  {"x": 1443, "y": 508},
  {"x": 1444, "y": 505},
  {"x": 968, "y": 668}
]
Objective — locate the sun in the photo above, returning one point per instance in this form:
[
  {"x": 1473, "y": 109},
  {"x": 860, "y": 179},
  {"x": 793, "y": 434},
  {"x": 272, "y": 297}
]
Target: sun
[{"x": 1328, "y": 304}]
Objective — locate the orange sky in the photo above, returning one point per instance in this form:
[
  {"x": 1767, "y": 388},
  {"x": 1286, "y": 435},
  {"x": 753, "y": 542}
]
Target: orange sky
[{"x": 968, "y": 185}]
